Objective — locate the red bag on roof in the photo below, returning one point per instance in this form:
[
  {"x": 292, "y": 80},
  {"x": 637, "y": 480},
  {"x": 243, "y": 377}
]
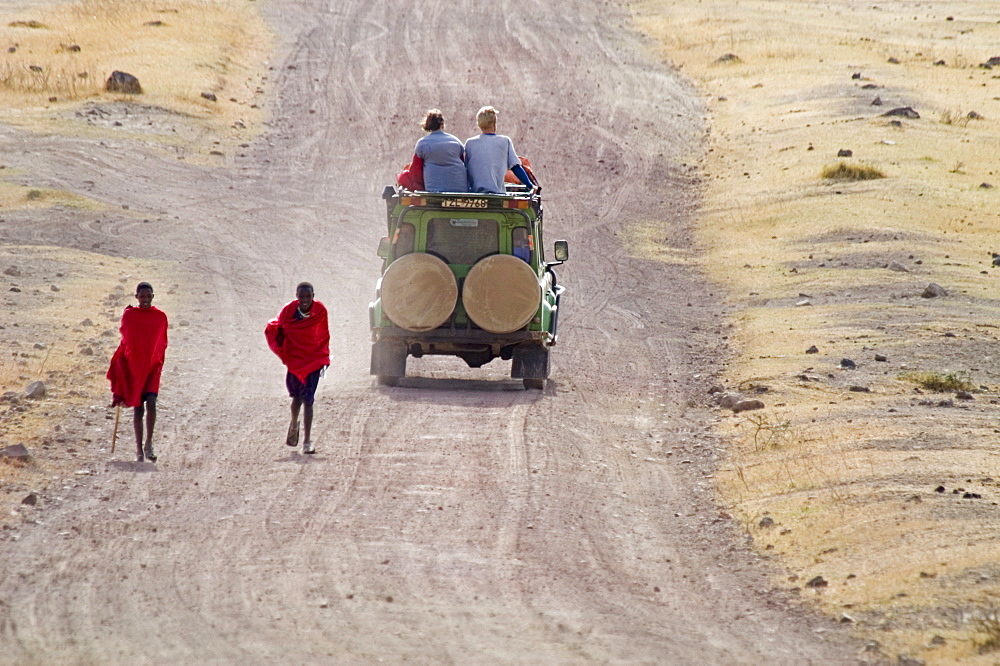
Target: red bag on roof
[{"x": 412, "y": 175}]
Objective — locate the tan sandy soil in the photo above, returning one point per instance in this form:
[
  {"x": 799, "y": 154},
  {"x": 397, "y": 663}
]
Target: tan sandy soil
[
  {"x": 887, "y": 491},
  {"x": 457, "y": 517}
]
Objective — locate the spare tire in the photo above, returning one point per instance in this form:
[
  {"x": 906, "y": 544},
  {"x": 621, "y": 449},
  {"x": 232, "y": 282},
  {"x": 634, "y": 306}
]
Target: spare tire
[
  {"x": 419, "y": 292},
  {"x": 501, "y": 293}
]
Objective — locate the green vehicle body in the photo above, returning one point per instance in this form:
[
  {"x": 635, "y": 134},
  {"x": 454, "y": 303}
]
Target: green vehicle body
[{"x": 463, "y": 229}]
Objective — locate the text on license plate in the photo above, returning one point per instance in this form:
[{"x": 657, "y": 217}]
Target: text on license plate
[{"x": 464, "y": 203}]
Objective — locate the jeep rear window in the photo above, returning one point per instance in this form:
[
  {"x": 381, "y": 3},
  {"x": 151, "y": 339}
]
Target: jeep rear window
[
  {"x": 462, "y": 240},
  {"x": 404, "y": 239}
]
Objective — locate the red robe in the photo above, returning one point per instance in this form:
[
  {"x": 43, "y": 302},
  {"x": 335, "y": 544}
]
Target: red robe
[
  {"x": 302, "y": 344},
  {"x": 137, "y": 363}
]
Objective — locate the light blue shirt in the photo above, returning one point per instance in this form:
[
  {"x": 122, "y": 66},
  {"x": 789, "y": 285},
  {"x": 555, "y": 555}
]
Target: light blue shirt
[
  {"x": 444, "y": 168},
  {"x": 487, "y": 159}
]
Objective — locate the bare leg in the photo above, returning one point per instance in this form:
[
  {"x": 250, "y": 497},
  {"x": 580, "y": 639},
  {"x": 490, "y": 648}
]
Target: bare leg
[
  {"x": 138, "y": 413},
  {"x": 307, "y": 421},
  {"x": 293, "y": 427},
  {"x": 150, "y": 424}
]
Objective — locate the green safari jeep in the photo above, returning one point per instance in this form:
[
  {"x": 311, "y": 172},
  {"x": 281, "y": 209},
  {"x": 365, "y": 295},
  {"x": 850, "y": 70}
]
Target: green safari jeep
[{"x": 465, "y": 275}]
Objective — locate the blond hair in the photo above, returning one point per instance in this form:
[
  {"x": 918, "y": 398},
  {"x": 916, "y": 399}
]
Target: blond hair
[{"x": 486, "y": 118}]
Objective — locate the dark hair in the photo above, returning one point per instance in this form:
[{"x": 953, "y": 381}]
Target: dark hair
[
  {"x": 433, "y": 121},
  {"x": 143, "y": 285},
  {"x": 304, "y": 285}
]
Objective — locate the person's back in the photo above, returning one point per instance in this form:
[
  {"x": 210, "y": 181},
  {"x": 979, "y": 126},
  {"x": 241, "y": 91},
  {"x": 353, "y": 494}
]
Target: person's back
[
  {"x": 487, "y": 159},
  {"x": 444, "y": 170},
  {"x": 489, "y": 156}
]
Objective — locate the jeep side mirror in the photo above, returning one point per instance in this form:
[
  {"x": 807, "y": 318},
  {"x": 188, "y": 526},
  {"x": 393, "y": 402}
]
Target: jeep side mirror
[
  {"x": 383, "y": 247},
  {"x": 561, "y": 250}
]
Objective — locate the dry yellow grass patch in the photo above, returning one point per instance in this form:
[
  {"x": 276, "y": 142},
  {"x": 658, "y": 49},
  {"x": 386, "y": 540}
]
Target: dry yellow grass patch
[
  {"x": 846, "y": 462},
  {"x": 56, "y": 59}
]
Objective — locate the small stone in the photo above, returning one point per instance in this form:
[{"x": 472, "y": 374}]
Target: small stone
[
  {"x": 210, "y": 96},
  {"x": 904, "y": 111},
  {"x": 964, "y": 395},
  {"x": 728, "y": 58},
  {"x": 881, "y": 359},
  {"x": 15, "y": 451},
  {"x": 813, "y": 349},
  {"x": 938, "y": 640},
  {"x": 123, "y": 82},
  {"x": 844, "y": 152},
  {"x": 12, "y": 271},
  {"x": 765, "y": 522},
  {"x": 727, "y": 400},
  {"x": 803, "y": 303},
  {"x": 972, "y": 115},
  {"x": 31, "y": 499},
  {"x": 817, "y": 582},
  {"x": 39, "y": 345},
  {"x": 933, "y": 290},
  {"x": 877, "y": 101},
  {"x": 35, "y": 390},
  {"x": 747, "y": 405},
  {"x": 846, "y": 619},
  {"x": 54, "y": 287},
  {"x": 86, "y": 322},
  {"x": 906, "y": 660},
  {"x": 946, "y": 403},
  {"x": 985, "y": 186},
  {"x": 848, "y": 364},
  {"x": 898, "y": 267},
  {"x": 893, "y": 60},
  {"x": 87, "y": 351},
  {"x": 860, "y": 389}
]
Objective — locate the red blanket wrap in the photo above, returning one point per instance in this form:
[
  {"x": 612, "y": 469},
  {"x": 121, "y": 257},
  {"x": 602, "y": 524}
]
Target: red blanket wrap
[
  {"x": 302, "y": 344},
  {"x": 138, "y": 361}
]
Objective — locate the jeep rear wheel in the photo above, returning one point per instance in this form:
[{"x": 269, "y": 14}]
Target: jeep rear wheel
[
  {"x": 537, "y": 384},
  {"x": 388, "y": 380}
]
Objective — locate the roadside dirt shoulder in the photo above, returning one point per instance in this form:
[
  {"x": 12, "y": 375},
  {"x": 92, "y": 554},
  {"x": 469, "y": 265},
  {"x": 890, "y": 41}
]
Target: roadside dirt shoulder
[{"x": 871, "y": 471}]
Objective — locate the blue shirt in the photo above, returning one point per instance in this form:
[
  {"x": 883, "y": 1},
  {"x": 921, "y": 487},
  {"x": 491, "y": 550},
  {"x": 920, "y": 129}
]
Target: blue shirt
[
  {"x": 487, "y": 159},
  {"x": 444, "y": 167}
]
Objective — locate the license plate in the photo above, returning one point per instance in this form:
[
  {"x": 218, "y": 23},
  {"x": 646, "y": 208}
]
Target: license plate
[{"x": 464, "y": 203}]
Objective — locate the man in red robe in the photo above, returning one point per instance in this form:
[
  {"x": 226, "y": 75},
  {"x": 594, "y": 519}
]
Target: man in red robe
[
  {"x": 137, "y": 364},
  {"x": 300, "y": 336}
]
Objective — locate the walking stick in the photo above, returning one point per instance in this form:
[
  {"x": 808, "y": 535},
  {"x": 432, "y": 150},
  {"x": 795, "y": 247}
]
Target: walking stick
[{"x": 114, "y": 436}]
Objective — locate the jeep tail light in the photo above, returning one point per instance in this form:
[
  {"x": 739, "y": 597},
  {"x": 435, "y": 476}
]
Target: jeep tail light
[
  {"x": 413, "y": 201},
  {"x": 516, "y": 203}
]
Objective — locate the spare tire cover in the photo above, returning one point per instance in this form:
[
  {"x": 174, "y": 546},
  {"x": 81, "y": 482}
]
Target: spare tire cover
[
  {"x": 419, "y": 292},
  {"x": 501, "y": 293}
]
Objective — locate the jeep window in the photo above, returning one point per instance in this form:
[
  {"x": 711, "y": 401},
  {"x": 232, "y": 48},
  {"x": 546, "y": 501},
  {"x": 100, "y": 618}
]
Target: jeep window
[
  {"x": 520, "y": 243},
  {"x": 404, "y": 239},
  {"x": 462, "y": 240}
]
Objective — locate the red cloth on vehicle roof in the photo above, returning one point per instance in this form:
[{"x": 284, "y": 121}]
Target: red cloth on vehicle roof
[
  {"x": 137, "y": 363},
  {"x": 302, "y": 344},
  {"x": 412, "y": 175}
]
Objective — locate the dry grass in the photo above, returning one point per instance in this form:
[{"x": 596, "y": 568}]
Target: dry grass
[
  {"x": 940, "y": 382},
  {"x": 851, "y": 172},
  {"x": 63, "y": 54},
  {"x": 851, "y": 483}
]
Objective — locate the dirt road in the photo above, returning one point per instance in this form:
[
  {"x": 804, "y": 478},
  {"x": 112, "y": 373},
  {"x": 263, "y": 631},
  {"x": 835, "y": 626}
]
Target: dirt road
[{"x": 457, "y": 517}]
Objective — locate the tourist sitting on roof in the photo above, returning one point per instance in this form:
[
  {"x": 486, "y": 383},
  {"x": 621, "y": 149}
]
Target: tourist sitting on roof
[
  {"x": 442, "y": 157},
  {"x": 489, "y": 156}
]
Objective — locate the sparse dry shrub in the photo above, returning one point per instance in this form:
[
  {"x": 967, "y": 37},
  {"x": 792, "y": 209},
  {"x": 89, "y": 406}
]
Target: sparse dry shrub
[
  {"x": 851, "y": 172},
  {"x": 988, "y": 626},
  {"x": 940, "y": 382},
  {"x": 767, "y": 432},
  {"x": 954, "y": 117}
]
